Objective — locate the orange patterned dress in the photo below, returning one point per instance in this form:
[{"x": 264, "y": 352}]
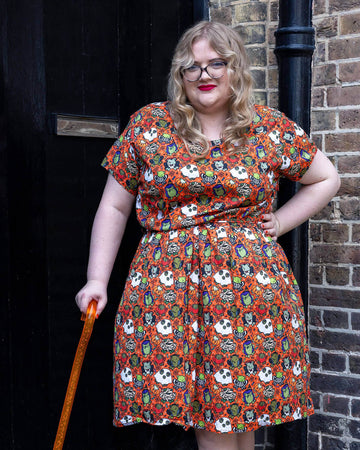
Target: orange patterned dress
[{"x": 210, "y": 330}]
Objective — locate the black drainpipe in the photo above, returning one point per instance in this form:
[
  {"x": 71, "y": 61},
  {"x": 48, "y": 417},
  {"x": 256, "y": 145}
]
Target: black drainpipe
[
  {"x": 295, "y": 45},
  {"x": 200, "y": 10}
]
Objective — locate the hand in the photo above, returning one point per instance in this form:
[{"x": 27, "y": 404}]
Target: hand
[
  {"x": 271, "y": 226},
  {"x": 93, "y": 290}
]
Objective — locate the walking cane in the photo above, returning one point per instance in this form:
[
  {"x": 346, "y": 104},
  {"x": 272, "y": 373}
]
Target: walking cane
[{"x": 89, "y": 319}]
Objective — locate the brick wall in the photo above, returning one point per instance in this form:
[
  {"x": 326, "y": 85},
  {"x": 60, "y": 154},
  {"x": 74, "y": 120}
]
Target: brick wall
[
  {"x": 256, "y": 22},
  {"x": 335, "y": 232},
  {"x": 334, "y": 260}
]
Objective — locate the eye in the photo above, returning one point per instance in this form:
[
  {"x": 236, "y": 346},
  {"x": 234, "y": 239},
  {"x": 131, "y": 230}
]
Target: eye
[
  {"x": 217, "y": 64},
  {"x": 193, "y": 68}
]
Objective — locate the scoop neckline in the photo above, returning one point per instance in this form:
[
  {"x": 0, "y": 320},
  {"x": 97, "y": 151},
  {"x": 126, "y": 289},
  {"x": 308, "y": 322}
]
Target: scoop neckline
[{"x": 216, "y": 142}]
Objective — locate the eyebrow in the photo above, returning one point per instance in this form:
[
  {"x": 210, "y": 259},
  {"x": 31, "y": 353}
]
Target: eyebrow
[{"x": 211, "y": 60}]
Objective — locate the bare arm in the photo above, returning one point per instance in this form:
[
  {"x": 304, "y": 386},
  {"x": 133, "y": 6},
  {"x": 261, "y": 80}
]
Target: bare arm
[
  {"x": 320, "y": 184},
  {"x": 107, "y": 232}
]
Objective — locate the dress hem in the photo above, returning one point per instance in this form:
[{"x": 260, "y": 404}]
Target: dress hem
[{"x": 251, "y": 427}]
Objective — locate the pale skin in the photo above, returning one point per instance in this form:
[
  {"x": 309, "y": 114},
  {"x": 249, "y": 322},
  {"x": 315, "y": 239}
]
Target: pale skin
[{"x": 319, "y": 185}]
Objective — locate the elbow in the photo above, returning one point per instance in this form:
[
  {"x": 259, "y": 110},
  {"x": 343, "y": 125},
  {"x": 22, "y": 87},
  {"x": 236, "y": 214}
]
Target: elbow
[
  {"x": 333, "y": 181},
  {"x": 337, "y": 183}
]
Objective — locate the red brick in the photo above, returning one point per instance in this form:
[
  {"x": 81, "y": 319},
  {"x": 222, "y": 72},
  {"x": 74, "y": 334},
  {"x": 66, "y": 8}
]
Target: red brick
[
  {"x": 327, "y": 424},
  {"x": 355, "y": 408},
  {"x": 326, "y": 212},
  {"x": 344, "y": 48},
  {"x": 336, "y": 319},
  {"x": 257, "y": 56},
  {"x": 251, "y": 34},
  {"x": 342, "y": 142},
  {"x": 315, "y": 363},
  {"x": 356, "y": 276},
  {"x": 344, "y": 298},
  {"x": 323, "y": 120},
  {"x": 349, "y": 164},
  {"x": 273, "y": 78},
  {"x": 350, "y": 118},
  {"x": 315, "y": 315},
  {"x": 274, "y": 11},
  {"x": 342, "y": 96},
  {"x": 350, "y": 208},
  {"x": 349, "y": 186},
  {"x": 349, "y": 72},
  {"x": 316, "y": 274},
  {"x": 333, "y": 254},
  {"x": 335, "y": 232},
  {"x": 274, "y": 100},
  {"x": 320, "y": 423},
  {"x": 354, "y": 363},
  {"x": 327, "y": 27},
  {"x": 324, "y": 75},
  {"x": 343, "y": 5},
  {"x": 317, "y": 139},
  {"x": 350, "y": 23},
  {"x": 222, "y": 15},
  {"x": 320, "y": 53},
  {"x": 317, "y": 98},
  {"x": 259, "y": 78},
  {"x": 337, "y": 276},
  {"x": 315, "y": 232},
  {"x": 355, "y": 321},
  {"x": 335, "y": 340},
  {"x": 250, "y": 12},
  {"x": 354, "y": 429},
  {"x": 356, "y": 233},
  {"x": 336, "y": 404},
  {"x": 271, "y": 34},
  {"x": 260, "y": 97},
  {"x": 334, "y": 363},
  {"x": 333, "y": 443},
  {"x": 319, "y": 7},
  {"x": 272, "y": 60}
]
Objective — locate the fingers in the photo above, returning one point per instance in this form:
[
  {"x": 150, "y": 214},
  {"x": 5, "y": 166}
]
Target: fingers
[
  {"x": 83, "y": 300},
  {"x": 272, "y": 233},
  {"x": 101, "y": 305},
  {"x": 270, "y": 225},
  {"x": 91, "y": 291}
]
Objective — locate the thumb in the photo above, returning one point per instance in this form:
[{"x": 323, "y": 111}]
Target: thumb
[{"x": 101, "y": 303}]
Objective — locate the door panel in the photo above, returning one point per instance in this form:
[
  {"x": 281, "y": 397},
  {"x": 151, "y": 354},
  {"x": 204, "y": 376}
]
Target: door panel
[
  {"x": 105, "y": 62},
  {"x": 95, "y": 58},
  {"x": 103, "y": 59}
]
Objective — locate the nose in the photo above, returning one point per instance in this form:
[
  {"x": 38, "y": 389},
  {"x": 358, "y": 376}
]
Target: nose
[{"x": 204, "y": 75}]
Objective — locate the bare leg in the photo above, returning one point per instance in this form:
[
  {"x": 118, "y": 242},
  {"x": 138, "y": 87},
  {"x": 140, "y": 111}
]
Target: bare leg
[
  {"x": 246, "y": 441},
  {"x": 208, "y": 440}
]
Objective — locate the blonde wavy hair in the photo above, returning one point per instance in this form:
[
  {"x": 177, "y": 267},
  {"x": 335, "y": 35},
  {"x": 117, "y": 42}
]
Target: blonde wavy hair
[{"x": 228, "y": 44}]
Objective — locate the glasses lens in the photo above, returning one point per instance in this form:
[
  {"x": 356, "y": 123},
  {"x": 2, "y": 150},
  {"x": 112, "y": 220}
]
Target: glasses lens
[
  {"x": 216, "y": 69},
  {"x": 192, "y": 73}
]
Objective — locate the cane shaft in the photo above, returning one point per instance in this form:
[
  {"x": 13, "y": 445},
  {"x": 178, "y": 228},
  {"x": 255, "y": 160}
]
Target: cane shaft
[{"x": 75, "y": 374}]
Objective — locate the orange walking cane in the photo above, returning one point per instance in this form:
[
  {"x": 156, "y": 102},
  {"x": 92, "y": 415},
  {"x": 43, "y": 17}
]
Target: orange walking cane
[{"x": 89, "y": 319}]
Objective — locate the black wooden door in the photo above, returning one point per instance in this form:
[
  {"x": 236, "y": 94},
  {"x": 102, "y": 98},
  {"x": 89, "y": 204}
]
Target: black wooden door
[{"x": 85, "y": 58}]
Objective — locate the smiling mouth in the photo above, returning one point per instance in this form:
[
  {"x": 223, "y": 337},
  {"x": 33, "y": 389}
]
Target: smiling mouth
[{"x": 207, "y": 87}]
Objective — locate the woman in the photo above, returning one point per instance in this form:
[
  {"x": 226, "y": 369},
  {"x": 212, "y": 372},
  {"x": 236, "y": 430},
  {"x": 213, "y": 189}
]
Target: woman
[{"x": 210, "y": 330}]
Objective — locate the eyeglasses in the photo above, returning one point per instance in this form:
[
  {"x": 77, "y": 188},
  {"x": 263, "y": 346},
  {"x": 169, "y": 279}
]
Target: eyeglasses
[{"x": 215, "y": 70}]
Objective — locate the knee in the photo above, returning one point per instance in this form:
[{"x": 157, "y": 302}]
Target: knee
[{"x": 209, "y": 440}]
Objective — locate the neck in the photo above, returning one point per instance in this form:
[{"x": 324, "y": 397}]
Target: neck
[{"x": 212, "y": 125}]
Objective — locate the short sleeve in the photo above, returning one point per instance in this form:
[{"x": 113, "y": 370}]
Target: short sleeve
[
  {"x": 122, "y": 160},
  {"x": 297, "y": 150}
]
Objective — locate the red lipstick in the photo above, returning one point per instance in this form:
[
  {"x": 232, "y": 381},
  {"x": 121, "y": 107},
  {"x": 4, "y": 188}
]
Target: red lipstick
[{"x": 206, "y": 87}]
